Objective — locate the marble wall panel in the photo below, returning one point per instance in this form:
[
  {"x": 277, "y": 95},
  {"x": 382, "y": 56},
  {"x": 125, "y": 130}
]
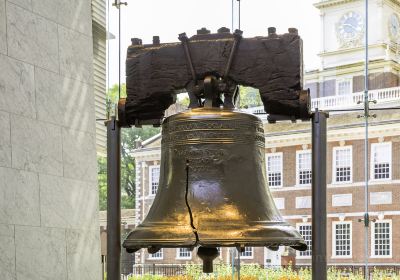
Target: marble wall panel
[
  {"x": 5, "y": 139},
  {"x": 3, "y": 27},
  {"x": 74, "y": 14},
  {"x": 79, "y": 155},
  {"x": 67, "y": 203},
  {"x": 32, "y": 38},
  {"x": 19, "y": 199},
  {"x": 76, "y": 55},
  {"x": 7, "y": 249},
  {"x": 26, "y": 4},
  {"x": 64, "y": 101},
  {"x": 36, "y": 146},
  {"x": 82, "y": 255},
  {"x": 17, "y": 87},
  {"x": 40, "y": 253}
]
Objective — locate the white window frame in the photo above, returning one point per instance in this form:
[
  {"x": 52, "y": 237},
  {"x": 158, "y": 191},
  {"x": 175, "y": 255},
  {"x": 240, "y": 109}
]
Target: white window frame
[
  {"x": 372, "y": 163},
  {"x": 341, "y": 80},
  {"x": 298, "y": 256},
  {"x": 279, "y": 201},
  {"x": 334, "y": 256},
  {"x": 179, "y": 257},
  {"x": 297, "y": 166},
  {"x": 151, "y": 179},
  {"x": 247, "y": 257},
  {"x": 334, "y": 179},
  {"x": 160, "y": 257},
  {"x": 280, "y": 154},
  {"x": 373, "y": 240}
]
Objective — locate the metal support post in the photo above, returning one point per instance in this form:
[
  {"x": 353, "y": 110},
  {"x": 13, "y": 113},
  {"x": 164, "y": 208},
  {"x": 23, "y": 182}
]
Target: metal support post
[
  {"x": 113, "y": 200},
  {"x": 319, "y": 260}
]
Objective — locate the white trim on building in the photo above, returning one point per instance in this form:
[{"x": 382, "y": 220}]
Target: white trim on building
[
  {"x": 303, "y": 168},
  {"x": 274, "y": 167},
  {"x": 342, "y": 240},
  {"x": 154, "y": 177},
  {"x": 305, "y": 229},
  {"x": 247, "y": 254},
  {"x": 183, "y": 254},
  {"x": 381, "y": 161},
  {"x": 156, "y": 256},
  {"x": 342, "y": 165},
  {"x": 381, "y": 239},
  {"x": 344, "y": 86}
]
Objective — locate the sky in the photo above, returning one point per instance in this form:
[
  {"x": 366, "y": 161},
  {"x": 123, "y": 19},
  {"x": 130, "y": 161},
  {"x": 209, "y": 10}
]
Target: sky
[{"x": 145, "y": 18}]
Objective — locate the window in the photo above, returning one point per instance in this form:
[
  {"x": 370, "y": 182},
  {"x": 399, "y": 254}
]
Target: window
[
  {"x": 279, "y": 202},
  {"x": 342, "y": 163},
  {"x": 154, "y": 176},
  {"x": 344, "y": 86},
  {"x": 305, "y": 230},
  {"x": 340, "y": 200},
  {"x": 381, "y": 157},
  {"x": 184, "y": 253},
  {"x": 381, "y": 239},
  {"x": 341, "y": 240},
  {"x": 303, "y": 167},
  {"x": 274, "y": 169},
  {"x": 247, "y": 253},
  {"x": 156, "y": 256},
  {"x": 303, "y": 202}
]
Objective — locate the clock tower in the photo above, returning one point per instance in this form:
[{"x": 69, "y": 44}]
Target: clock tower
[{"x": 342, "y": 52}]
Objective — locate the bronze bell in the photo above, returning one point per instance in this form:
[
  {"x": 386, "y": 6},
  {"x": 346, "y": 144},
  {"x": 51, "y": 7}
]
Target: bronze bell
[{"x": 213, "y": 189}]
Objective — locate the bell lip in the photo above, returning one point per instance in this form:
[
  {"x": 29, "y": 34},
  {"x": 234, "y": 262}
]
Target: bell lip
[{"x": 297, "y": 244}]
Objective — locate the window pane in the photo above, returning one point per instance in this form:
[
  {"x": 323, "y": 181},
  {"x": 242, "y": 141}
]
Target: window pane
[
  {"x": 342, "y": 163},
  {"x": 274, "y": 170},
  {"x": 304, "y": 168},
  {"x": 343, "y": 239},
  {"x": 155, "y": 176},
  {"x": 305, "y": 231},
  {"x": 382, "y": 239}
]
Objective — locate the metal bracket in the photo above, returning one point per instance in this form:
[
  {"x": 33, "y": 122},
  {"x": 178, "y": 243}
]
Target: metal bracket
[{"x": 118, "y": 4}]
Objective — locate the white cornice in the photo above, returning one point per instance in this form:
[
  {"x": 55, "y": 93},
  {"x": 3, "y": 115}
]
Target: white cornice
[
  {"x": 330, "y": 3},
  {"x": 355, "y": 69},
  {"x": 337, "y": 215},
  {"x": 372, "y": 183},
  {"x": 353, "y": 49},
  {"x": 291, "y": 138}
]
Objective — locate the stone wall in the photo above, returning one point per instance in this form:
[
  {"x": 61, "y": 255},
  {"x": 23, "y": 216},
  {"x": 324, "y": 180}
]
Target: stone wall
[{"x": 48, "y": 188}]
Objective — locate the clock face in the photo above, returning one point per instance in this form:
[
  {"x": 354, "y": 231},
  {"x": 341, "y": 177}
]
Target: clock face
[
  {"x": 350, "y": 27},
  {"x": 394, "y": 26}
]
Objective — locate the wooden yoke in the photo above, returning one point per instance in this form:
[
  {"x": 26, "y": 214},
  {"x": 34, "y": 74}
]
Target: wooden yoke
[{"x": 272, "y": 64}]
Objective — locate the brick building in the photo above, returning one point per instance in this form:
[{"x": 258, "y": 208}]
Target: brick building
[{"x": 337, "y": 84}]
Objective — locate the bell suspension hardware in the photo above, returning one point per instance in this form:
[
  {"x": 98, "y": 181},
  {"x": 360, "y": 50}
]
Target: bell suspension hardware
[{"x": 213, "y": 189}]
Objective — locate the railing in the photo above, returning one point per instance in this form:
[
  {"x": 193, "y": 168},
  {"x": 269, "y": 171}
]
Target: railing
[
  {"x": 348, "y": 101},
  {"x": 180, "y": 269},
  {"x": 353, "y": 100}
]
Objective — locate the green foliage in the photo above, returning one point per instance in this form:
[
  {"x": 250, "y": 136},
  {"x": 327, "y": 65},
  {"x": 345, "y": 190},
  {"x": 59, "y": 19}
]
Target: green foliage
[
  {"x": 249, "y": 97},
  {"x": 128, "y": 139}
]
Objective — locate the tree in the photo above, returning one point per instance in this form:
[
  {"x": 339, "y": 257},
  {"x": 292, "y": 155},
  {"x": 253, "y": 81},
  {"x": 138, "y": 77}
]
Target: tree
[
  {"x": 128, "y": 139},
  {"x": 249, "y": 97}
]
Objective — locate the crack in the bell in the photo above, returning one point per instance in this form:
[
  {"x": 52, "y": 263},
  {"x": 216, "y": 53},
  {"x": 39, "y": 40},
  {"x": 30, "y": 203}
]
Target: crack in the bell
[{"x": 187, "y": 203}]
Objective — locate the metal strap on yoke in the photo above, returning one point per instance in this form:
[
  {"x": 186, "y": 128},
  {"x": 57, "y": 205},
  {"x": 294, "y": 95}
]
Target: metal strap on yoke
[
  {"x": 185, "y": 40},
  {"x": 237, "y": 37}
]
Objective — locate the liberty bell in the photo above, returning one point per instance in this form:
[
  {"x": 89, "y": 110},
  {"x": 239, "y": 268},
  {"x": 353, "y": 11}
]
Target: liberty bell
[{"x": 213, "y": 190}]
